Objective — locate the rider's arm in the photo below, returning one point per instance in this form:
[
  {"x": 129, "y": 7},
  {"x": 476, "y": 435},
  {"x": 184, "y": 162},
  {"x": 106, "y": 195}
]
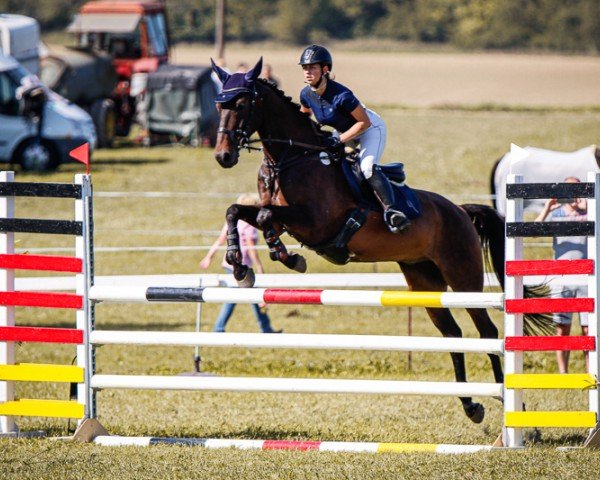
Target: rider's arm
[
  {"x": 362, "y": 124},
  {"x": 304, "y": 109}
]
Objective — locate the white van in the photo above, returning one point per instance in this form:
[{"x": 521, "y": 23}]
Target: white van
[
  {"x": 20, "y": 39},
  {"x": 64, "y": 126}
]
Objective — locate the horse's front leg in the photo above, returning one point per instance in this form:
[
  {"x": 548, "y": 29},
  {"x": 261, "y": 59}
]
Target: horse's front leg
[
  {"x": 243, "y": 274},
  {"x": 277, "y": 249}
]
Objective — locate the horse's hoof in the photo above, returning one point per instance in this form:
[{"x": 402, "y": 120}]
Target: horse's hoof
[
  {"x": 476, "y": 412},
  {"x": 247, "y": 281},
  {"x": 299, "y": 263}
]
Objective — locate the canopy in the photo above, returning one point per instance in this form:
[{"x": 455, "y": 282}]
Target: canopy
[{"x": 105, "y": 22}]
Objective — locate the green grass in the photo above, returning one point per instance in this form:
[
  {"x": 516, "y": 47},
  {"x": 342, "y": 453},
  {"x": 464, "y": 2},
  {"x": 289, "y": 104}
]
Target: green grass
[{"x": 447, "y": 151}]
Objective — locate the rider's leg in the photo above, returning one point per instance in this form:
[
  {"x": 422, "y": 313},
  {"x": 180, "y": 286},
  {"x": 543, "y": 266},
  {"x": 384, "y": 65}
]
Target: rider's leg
[
  {"x": 394, "y": 219},
  {"x": 372, "y": 143}
]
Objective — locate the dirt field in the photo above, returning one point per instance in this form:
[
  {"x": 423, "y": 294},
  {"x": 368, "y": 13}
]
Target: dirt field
[{"x": 431, "y": 79}]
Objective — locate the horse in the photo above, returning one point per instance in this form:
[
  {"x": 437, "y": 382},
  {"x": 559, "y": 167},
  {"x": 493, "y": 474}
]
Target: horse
[{"x": 306, "y": 195}]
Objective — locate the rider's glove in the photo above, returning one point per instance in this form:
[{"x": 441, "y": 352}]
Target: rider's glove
[{"x": 332, "y": 143}]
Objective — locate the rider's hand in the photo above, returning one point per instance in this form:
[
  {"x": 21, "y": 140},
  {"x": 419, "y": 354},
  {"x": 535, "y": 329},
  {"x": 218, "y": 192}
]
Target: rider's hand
[{"x": 332, "y": 143}]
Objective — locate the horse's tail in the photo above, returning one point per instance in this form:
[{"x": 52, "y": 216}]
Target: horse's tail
[{"x": 490, "y": 227}]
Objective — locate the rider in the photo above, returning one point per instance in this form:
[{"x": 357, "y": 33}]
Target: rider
[{"x": 335, "y": 105}]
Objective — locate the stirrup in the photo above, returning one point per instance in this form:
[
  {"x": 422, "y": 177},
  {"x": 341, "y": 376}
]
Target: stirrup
[{"x": 395, "y": 220}]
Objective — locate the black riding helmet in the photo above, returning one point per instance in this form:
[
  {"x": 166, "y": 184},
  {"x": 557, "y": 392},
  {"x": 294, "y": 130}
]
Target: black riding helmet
[{"x": 316, "y": 54}]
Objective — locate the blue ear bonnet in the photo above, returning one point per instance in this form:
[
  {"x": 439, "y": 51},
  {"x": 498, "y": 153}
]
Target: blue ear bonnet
[{"x": 234, "y": 86}]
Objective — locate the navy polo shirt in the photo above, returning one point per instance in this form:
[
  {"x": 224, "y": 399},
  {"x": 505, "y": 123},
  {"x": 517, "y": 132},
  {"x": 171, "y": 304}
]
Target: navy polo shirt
[{"x": 334, "y": 107}]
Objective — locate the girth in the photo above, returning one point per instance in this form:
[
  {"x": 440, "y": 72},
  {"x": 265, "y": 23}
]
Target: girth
[{"x": 336, "y": 250}]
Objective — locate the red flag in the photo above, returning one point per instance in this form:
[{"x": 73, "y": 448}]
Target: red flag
[{"x": 82, "y": 154}]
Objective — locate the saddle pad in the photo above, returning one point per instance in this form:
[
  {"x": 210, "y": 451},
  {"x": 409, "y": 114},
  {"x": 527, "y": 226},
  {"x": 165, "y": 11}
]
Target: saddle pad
[{"x": 406, "y": 199}]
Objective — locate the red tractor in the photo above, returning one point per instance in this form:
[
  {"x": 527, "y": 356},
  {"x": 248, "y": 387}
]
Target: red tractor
[{"x": 134, "y": 34}]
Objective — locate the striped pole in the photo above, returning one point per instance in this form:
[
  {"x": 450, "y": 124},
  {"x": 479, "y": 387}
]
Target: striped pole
[
  {"x": 299, "y": 296},
  {"x": 295, "y": 445}
]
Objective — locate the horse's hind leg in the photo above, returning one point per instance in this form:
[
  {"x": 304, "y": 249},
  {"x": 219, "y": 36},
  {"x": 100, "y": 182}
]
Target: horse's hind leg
[
  {"x": 277, "y": 250},
  {"x": 487, "y": 329},
  {"x": 426, "y": 276},
  {"x": 469, "y": 278}
]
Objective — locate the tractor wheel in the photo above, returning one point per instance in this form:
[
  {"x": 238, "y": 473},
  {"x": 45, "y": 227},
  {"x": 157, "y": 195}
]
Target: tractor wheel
[{"x": 105, "y": 120}]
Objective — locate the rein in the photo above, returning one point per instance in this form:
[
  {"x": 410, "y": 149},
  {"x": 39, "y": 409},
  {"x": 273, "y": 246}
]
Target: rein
[{"x": 241, "y": 139}]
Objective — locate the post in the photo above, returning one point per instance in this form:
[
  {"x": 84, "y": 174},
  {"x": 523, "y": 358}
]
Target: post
[
  {"x": 594, "y": 292},
  {"x": 197, "y": 358},
  {"x": 513, "y": 323},
  {"x": 7, "y": 313},
  {"x": 85, "y": 317},
  {"x": 220, "y": 29}
]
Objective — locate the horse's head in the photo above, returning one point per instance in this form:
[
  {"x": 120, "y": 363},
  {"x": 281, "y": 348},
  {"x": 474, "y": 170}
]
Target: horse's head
[{"x": 236, "y": 106}]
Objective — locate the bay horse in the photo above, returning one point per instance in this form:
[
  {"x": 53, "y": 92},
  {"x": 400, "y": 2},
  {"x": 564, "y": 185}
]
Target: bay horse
[{"x": 307, "y": 196}]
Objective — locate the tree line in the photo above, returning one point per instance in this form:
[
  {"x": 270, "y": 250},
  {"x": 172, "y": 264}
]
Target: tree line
[{"x": 563, "y": 25}]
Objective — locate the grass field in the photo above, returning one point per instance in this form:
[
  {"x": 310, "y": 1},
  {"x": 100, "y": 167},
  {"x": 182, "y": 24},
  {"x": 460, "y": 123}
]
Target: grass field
[{"x": 450, "y": 151}]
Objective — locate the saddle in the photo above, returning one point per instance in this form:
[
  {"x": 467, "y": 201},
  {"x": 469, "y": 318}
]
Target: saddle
[
  {"x": 405, "y": 199},
  {"x": 336, "y": 249}
]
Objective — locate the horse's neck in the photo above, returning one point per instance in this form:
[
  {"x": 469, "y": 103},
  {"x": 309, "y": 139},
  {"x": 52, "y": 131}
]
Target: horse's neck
[{"x": 283, "y": 121}]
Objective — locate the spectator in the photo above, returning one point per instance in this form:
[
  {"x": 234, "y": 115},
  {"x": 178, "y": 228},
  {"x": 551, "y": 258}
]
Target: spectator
[
  {"x": 267, "y": 74},
  {"x": 248, "y": 238},
  {"x": 568, "y": 248},
  {"x": 242, "y": 67}
]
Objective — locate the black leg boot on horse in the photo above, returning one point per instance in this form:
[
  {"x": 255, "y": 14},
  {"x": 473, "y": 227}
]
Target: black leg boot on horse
[{"x": 395, "y": 220}]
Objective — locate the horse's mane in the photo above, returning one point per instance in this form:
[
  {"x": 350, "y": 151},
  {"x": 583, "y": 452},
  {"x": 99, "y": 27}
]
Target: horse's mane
[{"x": 288, "y": 100}]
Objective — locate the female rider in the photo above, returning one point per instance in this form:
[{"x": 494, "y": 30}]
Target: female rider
[{"x": 335, "y": 105}]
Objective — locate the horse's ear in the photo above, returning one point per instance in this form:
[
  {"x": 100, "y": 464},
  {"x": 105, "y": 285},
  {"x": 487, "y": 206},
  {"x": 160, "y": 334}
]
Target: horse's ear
[
  {"x": 255, "y": 72},
  {"x": 222, "y": 74}
]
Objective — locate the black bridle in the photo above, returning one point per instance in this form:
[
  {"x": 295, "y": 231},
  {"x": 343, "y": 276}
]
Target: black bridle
[{"x": 241, "y": 139}]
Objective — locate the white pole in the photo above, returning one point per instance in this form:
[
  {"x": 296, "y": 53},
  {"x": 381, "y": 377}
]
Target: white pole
[
  {"x": 198, "y": 325},
  {"x": 84, "y": 281},
  {"x": 296, "y": 340},
  {"x": 513, "y": 323},
  {"x": 296, "y": 385},
  {"x": 7, "y": 314}
]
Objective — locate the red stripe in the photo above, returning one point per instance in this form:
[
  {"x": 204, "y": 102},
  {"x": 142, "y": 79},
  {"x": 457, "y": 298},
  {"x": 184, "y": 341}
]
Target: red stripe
[
  {"x": 549, "y": 305},
  {"x": 39, "y": 334},
  {"x": 49, "y": 263},
  {"x": 539, "y": 344},
  {"x": 275, "y": 295},
  {"x": 37, "y": 299},
  {"x": 290, "y": 445},
  {"x": 549, "y": 267}
]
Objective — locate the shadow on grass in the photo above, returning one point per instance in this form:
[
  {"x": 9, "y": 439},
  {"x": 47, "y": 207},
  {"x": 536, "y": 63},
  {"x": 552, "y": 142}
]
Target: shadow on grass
[{"x": 131, "y": 161}]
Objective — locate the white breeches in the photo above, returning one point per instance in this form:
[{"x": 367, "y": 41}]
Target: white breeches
[{"x": 372, "y": 144}]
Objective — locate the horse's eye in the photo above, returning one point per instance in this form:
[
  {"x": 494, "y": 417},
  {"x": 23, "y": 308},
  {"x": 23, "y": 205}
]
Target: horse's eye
[{"x": 241, "y": 107}]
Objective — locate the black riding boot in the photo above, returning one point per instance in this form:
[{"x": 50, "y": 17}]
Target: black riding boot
[{"x": 395, "y": 220}]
